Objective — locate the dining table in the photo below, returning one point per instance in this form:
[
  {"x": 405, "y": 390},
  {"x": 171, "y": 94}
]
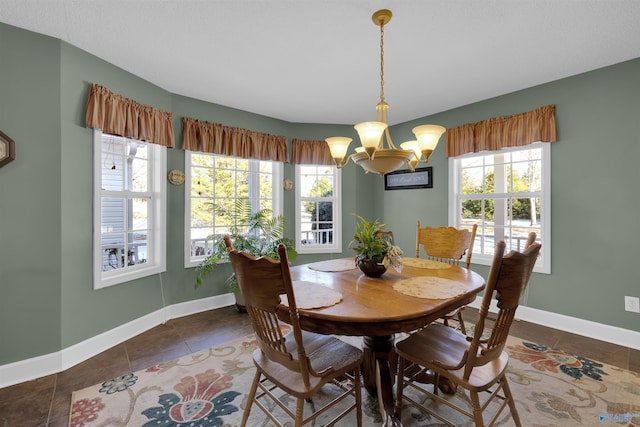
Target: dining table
[{"x": 335, "y": 297}]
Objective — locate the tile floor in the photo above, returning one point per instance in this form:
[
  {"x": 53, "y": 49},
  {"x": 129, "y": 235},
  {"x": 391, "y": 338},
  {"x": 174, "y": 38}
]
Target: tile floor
[{"x": 45, "y": 402}]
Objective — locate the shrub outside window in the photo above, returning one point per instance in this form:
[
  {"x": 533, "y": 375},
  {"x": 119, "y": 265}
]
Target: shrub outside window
[{"x": 221, "y": 180}]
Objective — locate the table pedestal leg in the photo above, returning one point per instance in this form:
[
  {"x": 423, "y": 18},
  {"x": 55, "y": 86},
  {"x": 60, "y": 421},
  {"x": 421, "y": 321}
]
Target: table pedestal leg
[{"x": 378, "y": 373}]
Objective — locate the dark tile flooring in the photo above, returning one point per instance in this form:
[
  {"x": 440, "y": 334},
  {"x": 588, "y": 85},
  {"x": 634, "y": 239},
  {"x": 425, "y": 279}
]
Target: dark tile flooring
[{"x": 46, "y": 401}]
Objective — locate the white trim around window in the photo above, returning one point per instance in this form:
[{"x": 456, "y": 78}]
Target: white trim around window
[
  {"x": 197, "y": 230},
  {"x": 129, "y": 234},
  {"x": 316, "y": 234},
  {"x": 489, "y": 229}
]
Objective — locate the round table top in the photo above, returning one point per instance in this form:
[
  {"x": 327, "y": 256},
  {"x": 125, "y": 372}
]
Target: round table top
[{"x": 372, "y": 307}]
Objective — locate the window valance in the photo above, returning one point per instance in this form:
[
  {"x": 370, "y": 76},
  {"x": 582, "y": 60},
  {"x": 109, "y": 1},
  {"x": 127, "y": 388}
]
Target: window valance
[
  {"x": 215, "y": 138},
  {"x": 502, "y": 132},
  {"x": 114, "y": 114},
  {"x": 311, "y": 153}
]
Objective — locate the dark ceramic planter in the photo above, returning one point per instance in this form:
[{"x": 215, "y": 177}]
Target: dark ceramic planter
[{"x": 370, "y": 269}]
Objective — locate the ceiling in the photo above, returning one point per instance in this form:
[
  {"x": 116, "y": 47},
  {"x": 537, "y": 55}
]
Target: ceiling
[{"x": 317, "y": 61}]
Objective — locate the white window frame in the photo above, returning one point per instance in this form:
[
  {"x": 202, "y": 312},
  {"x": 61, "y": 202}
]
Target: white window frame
[
  {"x": 277, "y": 199},
  {"x": 157, "y": 207},
  {"x": 336, "y": 199},
  {"x": 543, "y": 265}
]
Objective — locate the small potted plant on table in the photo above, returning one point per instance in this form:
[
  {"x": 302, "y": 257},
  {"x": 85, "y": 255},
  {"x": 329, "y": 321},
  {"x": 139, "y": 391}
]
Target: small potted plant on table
[{"x": 374, "y": 247}]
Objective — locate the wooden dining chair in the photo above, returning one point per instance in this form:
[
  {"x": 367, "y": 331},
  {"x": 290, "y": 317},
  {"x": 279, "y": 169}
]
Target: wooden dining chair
[
  {"x": 300, "y": 363},
  {"x": 388, "y": 235},
  {"x": 475, "y": 364},
  {"x": 449, "y": 245}
]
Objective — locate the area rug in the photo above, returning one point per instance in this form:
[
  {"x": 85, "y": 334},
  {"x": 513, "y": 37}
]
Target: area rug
[{"x": 208, "y": 388}]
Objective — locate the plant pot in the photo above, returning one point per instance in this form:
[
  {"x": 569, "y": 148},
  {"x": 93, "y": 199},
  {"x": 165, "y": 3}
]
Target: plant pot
[
  {"x": 240, "y": 302},
  {"x": 369, "y": 268}
]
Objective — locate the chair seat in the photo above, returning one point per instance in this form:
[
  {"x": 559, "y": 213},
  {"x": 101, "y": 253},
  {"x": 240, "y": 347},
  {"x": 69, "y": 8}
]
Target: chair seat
[
  {"x": 325, "y": 351},
  {"x": 437, "y": 345},
  {"x": 475, "y": 364},
  {"x": 299, "y": 363}
]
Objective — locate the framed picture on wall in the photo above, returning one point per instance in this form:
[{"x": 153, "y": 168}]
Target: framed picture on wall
[{"x": 405, "y": 179}]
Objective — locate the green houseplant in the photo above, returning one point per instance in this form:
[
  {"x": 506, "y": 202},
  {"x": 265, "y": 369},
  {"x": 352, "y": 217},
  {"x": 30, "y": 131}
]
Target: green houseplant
[
  {"x": 374, "y": 248},
  {"x": 258, "y": 234}
]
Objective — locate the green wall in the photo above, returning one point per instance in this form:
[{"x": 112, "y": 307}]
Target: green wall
[
  {"x": 30, "y": 192},
  {"x": 47, "y": 302}
]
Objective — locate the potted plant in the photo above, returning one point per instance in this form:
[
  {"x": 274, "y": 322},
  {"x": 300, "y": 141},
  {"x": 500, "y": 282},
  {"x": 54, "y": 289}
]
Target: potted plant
[
  {"x": 375, "y": 251},
  {"x": 258, "y": 234}
]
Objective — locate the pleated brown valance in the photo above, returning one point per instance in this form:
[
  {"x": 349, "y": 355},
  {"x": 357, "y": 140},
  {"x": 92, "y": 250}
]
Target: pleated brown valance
[
  {"x": 311, "y": 153},
  {"x": 215, "y": 138},
  {"x": 494, "y": 134},
  {"x": 116, "y": 115}
]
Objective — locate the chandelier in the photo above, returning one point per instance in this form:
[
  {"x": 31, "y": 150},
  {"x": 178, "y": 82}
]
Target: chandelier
[{"x": 373, "y": 155}]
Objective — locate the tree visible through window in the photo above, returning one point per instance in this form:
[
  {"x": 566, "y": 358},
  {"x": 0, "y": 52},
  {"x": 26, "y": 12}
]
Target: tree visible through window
[
  {"x": 507, "y": 194},
  {"x": 215, "y": 180},
  {"x": 318, "y": 209}
]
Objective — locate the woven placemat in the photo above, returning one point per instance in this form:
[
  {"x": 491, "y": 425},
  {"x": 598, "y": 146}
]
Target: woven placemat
[
  {"x": 425, "y": 263},
  {"x": 333, "y": 265},
  {"x": 430, "y": 287},
  {"x": 312, "y": 295}
]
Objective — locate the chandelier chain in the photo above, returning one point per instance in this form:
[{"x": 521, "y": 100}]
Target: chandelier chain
[
  {"x": 372, "y": 155},
  {"x": 382, "y": 62}
]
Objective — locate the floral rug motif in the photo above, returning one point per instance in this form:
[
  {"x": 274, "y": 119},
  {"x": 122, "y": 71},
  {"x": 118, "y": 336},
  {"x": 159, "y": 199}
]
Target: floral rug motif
[{"x": 208, "y": 389}]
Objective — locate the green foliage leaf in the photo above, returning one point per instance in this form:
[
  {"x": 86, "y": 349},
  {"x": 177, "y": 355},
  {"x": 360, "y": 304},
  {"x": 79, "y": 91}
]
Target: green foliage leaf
[
  {"x": 368, "y": 240},
  {"x": 258, "y": 234}
]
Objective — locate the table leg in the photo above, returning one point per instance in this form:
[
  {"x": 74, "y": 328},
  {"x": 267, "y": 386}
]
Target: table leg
[{"x": 378, "y": 372}]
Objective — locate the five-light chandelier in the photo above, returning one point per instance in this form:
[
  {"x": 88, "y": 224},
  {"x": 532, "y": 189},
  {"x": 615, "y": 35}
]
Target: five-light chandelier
[{"x": 372, "y": 155}]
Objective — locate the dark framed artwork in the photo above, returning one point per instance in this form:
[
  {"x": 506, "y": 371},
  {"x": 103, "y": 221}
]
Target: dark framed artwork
[{"x": 405, "y": 179}]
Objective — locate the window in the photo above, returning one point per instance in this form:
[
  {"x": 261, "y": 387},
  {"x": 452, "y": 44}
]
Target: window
[
  {"x": 129, "y": 209},
  {"x": 507, "y": 194},
  {"x": 318, "y": 209},
  {"x": 213, "y": 180}
]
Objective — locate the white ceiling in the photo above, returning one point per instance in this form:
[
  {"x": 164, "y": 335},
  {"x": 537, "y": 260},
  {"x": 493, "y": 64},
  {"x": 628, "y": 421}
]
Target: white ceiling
[{"x": 318, "y": 61}]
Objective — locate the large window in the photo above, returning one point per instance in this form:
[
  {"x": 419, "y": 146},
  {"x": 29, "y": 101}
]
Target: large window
[
  {"x": 129, "y": 209},
  {"x": 507, "y": 194},
  {"x": 318, "y": 209},
  {"x": 215, "y": 180}
]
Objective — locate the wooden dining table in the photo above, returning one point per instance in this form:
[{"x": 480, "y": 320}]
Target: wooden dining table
[{"x": 376, "y": 310}]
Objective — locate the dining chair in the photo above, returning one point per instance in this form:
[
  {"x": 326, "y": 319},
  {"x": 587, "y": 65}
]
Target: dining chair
[
  {"x": 300, "y": 363},
  {"x": 388, "y": 235},
  {"x": 449, "y": 245},
  {"x": 474, "y": 363}
]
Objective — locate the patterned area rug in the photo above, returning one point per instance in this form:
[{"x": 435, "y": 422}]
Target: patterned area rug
[{"x": 208, "y": 388}]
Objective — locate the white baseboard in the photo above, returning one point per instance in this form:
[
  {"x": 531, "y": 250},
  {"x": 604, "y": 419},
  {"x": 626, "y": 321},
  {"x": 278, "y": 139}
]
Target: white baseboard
[
  {"x": 36, "y": 367},
  {"x": 586, "y": 328},
  {"x": 40, "y": 366}
]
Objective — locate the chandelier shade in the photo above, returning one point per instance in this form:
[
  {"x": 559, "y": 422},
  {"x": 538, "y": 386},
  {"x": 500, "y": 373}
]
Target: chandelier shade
[
  {"x": 412, "y": 146},
  {"x": 428, "y": 137},
  {"x": 338, "y": 145},
  {"x": 373, "y": 155},
  {"x": 370, "y": 134}
]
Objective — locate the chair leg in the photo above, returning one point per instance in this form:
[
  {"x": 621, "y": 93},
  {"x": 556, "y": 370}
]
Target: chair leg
[
  {"x": 402, "y": 365},
  {"x": 299, "y": 412},
  {"x": 477, "y": 409},
  {"x": 250, "y": 398},
  {"x": 358, "y": 390},
  {"x": 512, "y": 403}
]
